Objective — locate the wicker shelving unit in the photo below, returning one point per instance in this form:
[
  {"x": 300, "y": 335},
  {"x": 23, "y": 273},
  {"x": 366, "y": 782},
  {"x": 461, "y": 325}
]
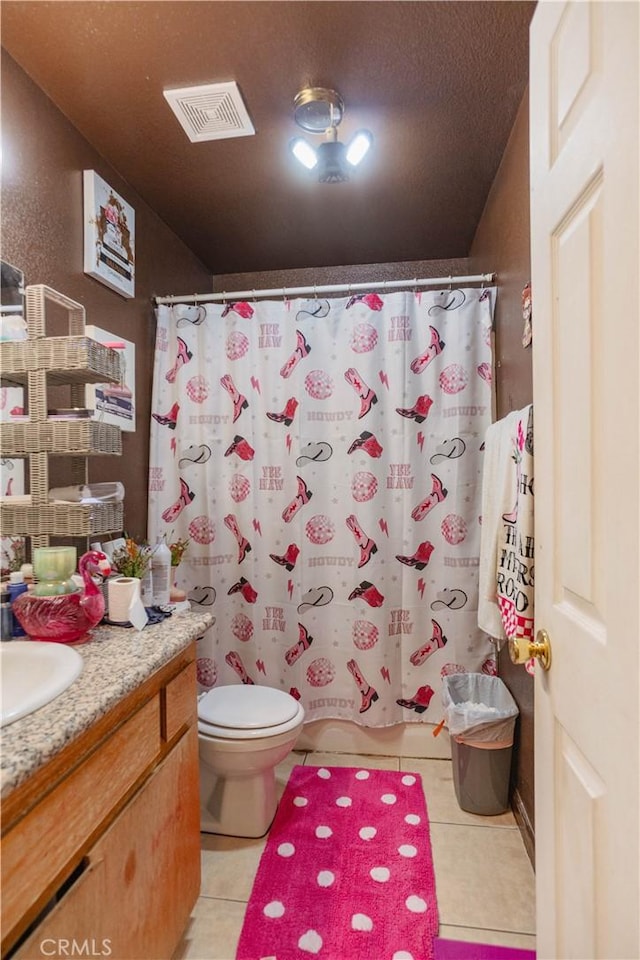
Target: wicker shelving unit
[{"x": 74, "y": 360}]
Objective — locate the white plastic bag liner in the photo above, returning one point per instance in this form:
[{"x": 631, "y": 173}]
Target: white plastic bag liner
[{"x": 478, "y": 708}]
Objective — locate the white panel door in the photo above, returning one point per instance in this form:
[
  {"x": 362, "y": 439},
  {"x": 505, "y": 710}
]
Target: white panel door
[{"x": 585, "y": 262}]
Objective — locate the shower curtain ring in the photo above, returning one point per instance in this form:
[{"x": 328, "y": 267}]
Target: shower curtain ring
[
  {"x": 254, "y": 295},
  {"x": 224, "y": 297},
  {"x": 315, "y": 292},
  {"x": 450, "y": 282}
]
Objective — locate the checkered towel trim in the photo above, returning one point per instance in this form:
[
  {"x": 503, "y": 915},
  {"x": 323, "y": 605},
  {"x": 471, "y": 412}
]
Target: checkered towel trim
[{"x": 515, "y": 625}]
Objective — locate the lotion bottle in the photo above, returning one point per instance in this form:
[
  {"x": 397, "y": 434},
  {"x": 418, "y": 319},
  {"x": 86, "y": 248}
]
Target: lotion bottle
[{"x": 161, "y": 572}]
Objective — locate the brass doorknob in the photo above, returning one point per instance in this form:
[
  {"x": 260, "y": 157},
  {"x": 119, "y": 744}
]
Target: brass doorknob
[{"x": 521, "y": 649}]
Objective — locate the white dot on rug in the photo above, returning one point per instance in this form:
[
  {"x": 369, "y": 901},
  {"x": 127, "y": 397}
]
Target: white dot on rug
[
  {"x": 388, "y": 798},
  {"x": 409, "y": 780},
  {"x": 324, "y": 774},
  {"x": 412, "y": 818},
  {"x": 311, "y": 942},
  {"x": 402, "y": 955},
  {"x": 322, "y": 832},
  {"x": 415, "y": 904},
  {"x": 362, "y": 775},
  {"x": 360, "y": 921},
  {"x": 325, "y": 878},
  {"x": 274, "y": 909},
  {"x": 381, "y": 874},
  {"x": 300, "y": 801},
  {"x": 367, "y": 833},
  {"x": 286, "y": 850},
  {"x": 343, "y": 802},
  {"x": 407, "y": 850}
]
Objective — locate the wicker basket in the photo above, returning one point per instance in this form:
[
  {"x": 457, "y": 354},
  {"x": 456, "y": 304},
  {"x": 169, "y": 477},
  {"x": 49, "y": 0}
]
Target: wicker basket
[
  {"x": 38, "y": 363},
  {"x": 36, "y": 297},
  {"x": 79, "y": 437},
  {"x": 63, "y": 359},
  {"x": 60, "y": 519}
]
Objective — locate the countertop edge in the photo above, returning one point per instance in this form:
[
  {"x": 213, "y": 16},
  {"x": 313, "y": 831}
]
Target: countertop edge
[{"x": 117, "y": 661}]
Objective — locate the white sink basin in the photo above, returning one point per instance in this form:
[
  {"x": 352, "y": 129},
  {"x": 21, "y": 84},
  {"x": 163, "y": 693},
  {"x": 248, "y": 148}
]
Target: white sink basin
[{"x": 33, "y": 674}]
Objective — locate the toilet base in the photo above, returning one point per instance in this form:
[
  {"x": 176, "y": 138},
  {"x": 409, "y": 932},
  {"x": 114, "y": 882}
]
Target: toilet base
[{"x": 238, "y": 806}]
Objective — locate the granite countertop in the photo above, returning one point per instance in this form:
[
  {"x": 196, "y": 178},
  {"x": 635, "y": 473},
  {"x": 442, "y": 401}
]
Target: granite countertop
[{"x": 116, "y": 661}]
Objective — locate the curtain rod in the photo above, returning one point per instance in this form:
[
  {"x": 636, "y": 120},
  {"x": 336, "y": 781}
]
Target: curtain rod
[{"x": 323, "y": 288}]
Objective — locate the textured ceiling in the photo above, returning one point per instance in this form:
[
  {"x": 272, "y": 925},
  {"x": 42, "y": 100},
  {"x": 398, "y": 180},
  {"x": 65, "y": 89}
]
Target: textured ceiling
[{"x": 438, "y": 85}]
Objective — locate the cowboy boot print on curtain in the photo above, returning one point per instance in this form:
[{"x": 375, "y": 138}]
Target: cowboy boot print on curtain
[
  {"x": 437, "y": 495},
  {"x": 183, "y": 356},
  {"x": 302, "y": 350},
  {"x": 368, "y": 443},
  {"x": 244, "y": 547},
  {"x": 436, "y": 346},
  {"x": 288, "y": 558},
  {"x": 238, "y": 399},
  {"x": 304, "y": 642},
  {"x": 301, "y": 498},
  {"x": 437, "y": 641},
  {"x": 366, "y": 544},
  {"x": 185, "y": 498},
  {"x": 365, "y": 393},
  {"x": 367, "y": 692}
]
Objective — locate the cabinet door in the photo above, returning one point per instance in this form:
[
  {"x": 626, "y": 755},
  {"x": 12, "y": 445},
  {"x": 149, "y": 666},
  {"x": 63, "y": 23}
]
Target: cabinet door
[{"x": 143, "y": 875}]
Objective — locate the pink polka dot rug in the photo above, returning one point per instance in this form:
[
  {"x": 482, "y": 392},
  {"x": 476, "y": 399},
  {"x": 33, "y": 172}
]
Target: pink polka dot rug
[{"x": 347, "y": 872}]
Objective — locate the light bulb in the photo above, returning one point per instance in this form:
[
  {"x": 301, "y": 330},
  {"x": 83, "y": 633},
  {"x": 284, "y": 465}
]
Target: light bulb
[
  {"x": 304, "y": 152},
  {"x": 358, "y": 147}
]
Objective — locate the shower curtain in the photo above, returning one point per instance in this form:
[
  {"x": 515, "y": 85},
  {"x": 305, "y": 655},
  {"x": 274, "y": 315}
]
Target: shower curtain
[{"x": 324, "y": 459}]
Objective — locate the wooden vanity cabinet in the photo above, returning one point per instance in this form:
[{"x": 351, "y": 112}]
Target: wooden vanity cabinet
[{"x": 116, "y": 842}]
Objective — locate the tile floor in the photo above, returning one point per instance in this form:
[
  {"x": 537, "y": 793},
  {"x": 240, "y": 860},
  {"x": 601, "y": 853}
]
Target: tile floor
[{"x": 484, "y": 880}]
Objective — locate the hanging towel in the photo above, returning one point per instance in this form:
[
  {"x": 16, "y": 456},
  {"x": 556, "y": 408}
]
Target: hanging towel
[
  {"x": 515, "y": 570},
  {"x": 498, "y": 487}
]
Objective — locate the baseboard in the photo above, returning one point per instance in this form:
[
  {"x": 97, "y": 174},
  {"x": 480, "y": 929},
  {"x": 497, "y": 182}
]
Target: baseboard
[
  {"x": 400, "y": 740},
  {"x": 525, "y": 826}
]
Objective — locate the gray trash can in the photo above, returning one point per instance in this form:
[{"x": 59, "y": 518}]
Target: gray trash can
[{"x": 481, "y": 715}]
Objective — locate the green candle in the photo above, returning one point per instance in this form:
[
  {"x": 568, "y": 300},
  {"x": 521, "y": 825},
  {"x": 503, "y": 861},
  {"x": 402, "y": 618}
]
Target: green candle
[{"x": 53, "y": 567}]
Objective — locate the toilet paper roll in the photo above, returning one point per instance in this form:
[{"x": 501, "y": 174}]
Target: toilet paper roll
[{"x": 123, "y": 593}]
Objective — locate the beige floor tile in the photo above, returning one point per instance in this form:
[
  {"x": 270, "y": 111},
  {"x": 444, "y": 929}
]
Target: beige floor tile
[
  {"x": 437, "y": 779},
  {"x": 229, "y": 866},
  {"x": 483, "y": 878},
  {"x": 213, "y": 931},
  {"x": 283, "y": 770},
  {"x": 497, "y": 938},
  {"x": 317, "y": 759}
]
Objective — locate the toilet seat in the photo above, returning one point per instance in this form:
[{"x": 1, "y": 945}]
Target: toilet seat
[{"x": 246, "y": 712}]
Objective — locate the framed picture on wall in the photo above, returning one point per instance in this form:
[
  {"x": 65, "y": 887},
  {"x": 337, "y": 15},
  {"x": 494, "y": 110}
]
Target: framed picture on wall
[
  {"x": 114, "y": 402},
  {"x": 109, "y": 236}
]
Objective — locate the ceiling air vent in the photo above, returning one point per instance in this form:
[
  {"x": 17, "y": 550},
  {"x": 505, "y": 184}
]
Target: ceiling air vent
[{"x": 215, "y": 111}]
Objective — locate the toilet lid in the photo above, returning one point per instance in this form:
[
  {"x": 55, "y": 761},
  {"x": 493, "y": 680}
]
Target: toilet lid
[{"x": 246, "y": 707}]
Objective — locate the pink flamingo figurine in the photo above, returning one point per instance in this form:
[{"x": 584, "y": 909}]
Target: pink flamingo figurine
[{"x": 68, "y": 617}]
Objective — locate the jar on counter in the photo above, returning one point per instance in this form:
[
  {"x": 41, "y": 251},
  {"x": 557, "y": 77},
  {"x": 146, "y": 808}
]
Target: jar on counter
[
  {"x": 6, "y": 617},
  {"x": 16, "y": 587}
]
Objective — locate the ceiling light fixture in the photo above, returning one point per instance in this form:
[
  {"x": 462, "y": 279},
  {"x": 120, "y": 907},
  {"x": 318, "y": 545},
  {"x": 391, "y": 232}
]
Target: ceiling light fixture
[{"x": 319, "y": 110}]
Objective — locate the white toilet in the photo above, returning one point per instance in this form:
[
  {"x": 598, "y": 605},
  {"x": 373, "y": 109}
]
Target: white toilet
[{"x": 244, "y": 731}]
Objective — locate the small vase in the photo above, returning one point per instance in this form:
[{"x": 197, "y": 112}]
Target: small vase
[
  {"x": 176, "y": 594},
  {"x": 53, "y": 568}
]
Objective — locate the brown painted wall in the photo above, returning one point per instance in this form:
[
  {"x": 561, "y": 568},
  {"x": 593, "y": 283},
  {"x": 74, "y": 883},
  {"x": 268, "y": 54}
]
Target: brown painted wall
[
  {"x": 42, "y": 233},
  {"x": 502, "y": 244},
  {"x": 355, "y": 273}
]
